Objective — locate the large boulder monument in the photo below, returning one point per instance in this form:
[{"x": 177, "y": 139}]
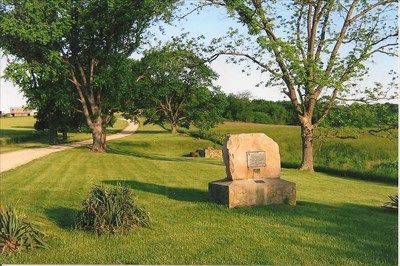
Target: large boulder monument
[{"x": 253, "y": 168}]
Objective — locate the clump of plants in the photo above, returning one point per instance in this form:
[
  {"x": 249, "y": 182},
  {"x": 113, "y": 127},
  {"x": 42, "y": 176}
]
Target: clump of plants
[
  {"x": 111, "y": 211},
  {"x": 393, "y": 203},
  {"x": 17, "y": 233}
]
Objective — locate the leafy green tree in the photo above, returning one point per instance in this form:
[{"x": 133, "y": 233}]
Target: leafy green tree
[
  {"x": 92, "y": 38},
  {"x": 361, "y": 115},
  {"x": 275, "y": 111},
  {"x": 48, "y": 117},
  {"x": 175, "y": 86},
  {"x": 239, "y": 107},
  {"x": 313, "y": 49},
  {"x": 49, "y": 92}
]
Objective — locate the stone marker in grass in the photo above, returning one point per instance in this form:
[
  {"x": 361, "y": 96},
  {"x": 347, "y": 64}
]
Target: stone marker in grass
[{"x": 253, "y": 168}]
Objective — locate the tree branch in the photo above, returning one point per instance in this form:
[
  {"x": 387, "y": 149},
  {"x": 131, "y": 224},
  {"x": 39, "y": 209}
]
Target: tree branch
[
  {"x": 252, "y": 58},
  {"x": 371, "y": 7}
]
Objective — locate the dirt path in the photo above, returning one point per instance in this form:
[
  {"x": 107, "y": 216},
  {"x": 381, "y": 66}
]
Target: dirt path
[{"x": 14, "y": 159}]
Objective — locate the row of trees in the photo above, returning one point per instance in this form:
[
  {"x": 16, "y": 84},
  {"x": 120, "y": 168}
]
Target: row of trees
[
  {"x": 240, "y": 107},
  {"x": 78, "y": 52},
  {"x": 169, "y": 85}
]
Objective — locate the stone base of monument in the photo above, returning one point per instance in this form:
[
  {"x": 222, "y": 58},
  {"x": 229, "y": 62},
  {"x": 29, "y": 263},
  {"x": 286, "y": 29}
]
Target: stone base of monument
[{"x": 250, "y": 192}]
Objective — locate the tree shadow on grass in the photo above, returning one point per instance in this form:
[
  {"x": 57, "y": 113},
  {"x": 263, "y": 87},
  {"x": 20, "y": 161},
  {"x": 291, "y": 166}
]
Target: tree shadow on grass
[
  {"x": 16, "y": 136},
  {"x": 355, "y": 228},
  {"x": 347, "y": 174},
  {"x": 180, "y": 194},
  {"x": 152, "y": 132},
  {"x": 27, "y": 127},
  {"x": 62, "y": 216},
  {"x": 158, "y": 157},
  {"x": 367, "y": 176},
  {"x": 130, "y": 144}
]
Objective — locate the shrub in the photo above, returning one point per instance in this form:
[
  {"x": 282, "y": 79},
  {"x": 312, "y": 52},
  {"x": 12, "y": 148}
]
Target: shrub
[
  {"x": 110, "y": 211},
  {"x": 16, "y": 233},
  {"x": 393, "y": 203}
]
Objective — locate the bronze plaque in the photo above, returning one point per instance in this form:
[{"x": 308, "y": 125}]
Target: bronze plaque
[{"x": 256, "y": 159}]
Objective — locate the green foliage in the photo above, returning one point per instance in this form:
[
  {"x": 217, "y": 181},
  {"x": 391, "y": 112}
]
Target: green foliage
[
  {"x": 363, "y": 115},
  {"x": 111, "y": 211},
  {"x": 315, "y": 52},
  {"x": 48, "y": 90},
  {"x": 16, "y": 233},
  {"x": 175, "y": 86},
  {"x": 90, "y": 39},
  {"x": 393, "y": 203},
  {"x": 241, "y": 107}
]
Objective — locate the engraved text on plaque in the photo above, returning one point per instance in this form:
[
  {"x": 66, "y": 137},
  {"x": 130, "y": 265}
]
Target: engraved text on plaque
[{"x": 256, "y": 159}]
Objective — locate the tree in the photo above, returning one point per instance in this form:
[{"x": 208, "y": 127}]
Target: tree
[
  {"x": 239, "y": 107},
  {"x": 315, "y": 49},
  {"x": 48, "y": 91},
  {"x": 176, "y": 86},
  {"x": 92, "y": 38},
  {"x": 48, "y": 117},
  {"x": 274, "y": 110}
]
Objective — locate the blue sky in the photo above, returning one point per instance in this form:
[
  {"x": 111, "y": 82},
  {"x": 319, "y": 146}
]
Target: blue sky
[{"x": 212, "y": 23}]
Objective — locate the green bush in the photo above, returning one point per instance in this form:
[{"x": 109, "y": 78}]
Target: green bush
[
  {"x": 16, "y": 233},
  {"x": 110, "y": 211}
]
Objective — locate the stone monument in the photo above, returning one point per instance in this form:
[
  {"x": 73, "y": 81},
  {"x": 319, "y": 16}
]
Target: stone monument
[{"x": 253, "y": 167}]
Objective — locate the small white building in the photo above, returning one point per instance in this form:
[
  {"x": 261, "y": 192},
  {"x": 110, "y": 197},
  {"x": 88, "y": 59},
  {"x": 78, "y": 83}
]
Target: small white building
[{"x": 21, "y": 111}]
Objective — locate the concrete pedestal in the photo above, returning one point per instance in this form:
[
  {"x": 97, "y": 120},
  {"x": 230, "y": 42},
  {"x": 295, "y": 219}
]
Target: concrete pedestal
[{"x": 252, "y": 192}]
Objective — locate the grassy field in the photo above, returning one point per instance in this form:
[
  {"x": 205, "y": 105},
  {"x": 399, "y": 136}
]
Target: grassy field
[
  {"x": 18, "y": 133},
  {"x": 337, "y": 220},
  {"x": 353, "y": 152}
]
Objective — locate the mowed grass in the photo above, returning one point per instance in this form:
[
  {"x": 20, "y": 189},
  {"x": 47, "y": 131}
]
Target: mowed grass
[
  {"x": 353, "y": 152},
  {"x": 18, "y": 133},
  {"x": 336, "y": 221}
]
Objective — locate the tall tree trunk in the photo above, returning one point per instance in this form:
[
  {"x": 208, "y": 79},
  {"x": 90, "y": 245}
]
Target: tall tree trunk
[
  {"x": 99, "y": 136},
  {"x": 307, "y": 139},
  {"x": 173, "y": 128},
  {"x": 53, "y": 138},
  {"x": 91, "y": 102},
  {"x": 64, "y": 134}
]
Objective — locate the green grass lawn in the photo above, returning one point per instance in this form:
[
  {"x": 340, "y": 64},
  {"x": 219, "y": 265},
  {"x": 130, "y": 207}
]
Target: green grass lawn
[
  {"x": 18, "y": 133},
  {"x": 337, "y": 220},
  {"x": 353, "y": 152}
]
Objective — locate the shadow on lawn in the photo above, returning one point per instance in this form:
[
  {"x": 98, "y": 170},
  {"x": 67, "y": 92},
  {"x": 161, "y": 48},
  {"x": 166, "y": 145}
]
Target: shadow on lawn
[
  {"x": 180, "y": 194},
  {"x": 347, "y": 174},
  {"x": 62, "y": 216},
  {"x": 346, "y": 233},
  {"x": 28, "y": 127},
  {"x": 152, "y": 132},
  {"x": 15, "y": 135},
  {"x": 114, "y": 149},
  {"x": 359, "y": 229}
]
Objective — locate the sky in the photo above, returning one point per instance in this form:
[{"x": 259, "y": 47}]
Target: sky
[{"x": 212, "y": 23}]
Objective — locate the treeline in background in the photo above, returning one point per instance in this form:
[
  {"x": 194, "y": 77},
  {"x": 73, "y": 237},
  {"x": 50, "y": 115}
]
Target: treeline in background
[{"x": 240, "y": 107}]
